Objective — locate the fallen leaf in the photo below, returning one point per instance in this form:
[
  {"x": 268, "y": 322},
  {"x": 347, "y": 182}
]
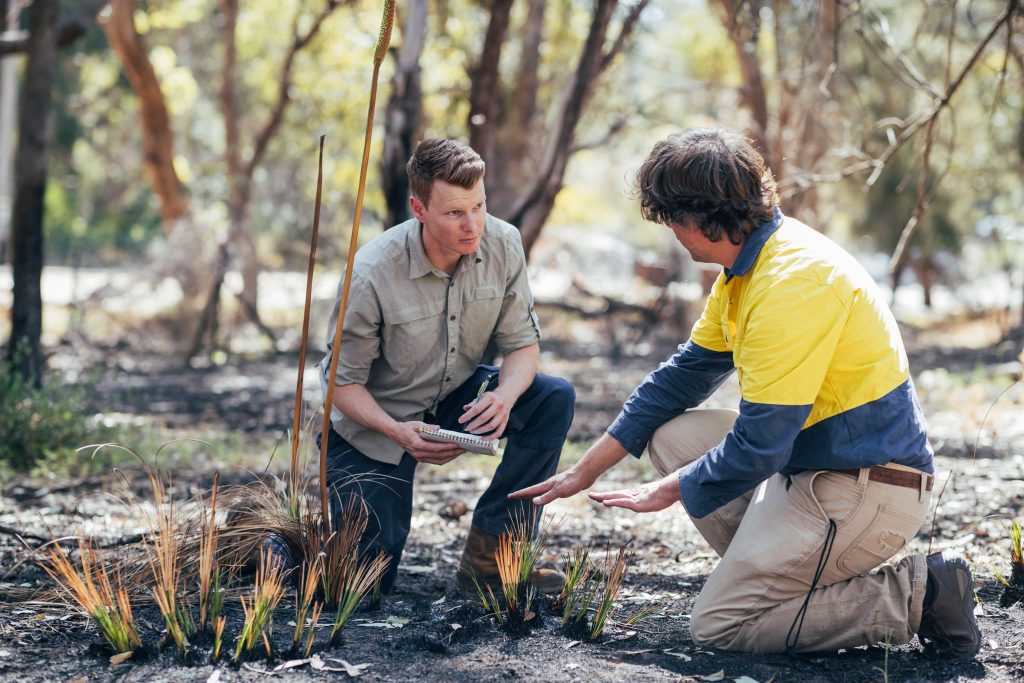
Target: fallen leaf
[
  {"x": 392, "y": 622},
  {"x": 291, "y": 664},
  {"x": 717, "y": 676},
  {"x": 456, "y": 627},
  {"x": 573, "y": 643},
  {"x": 353, "y": 670},
  {"x": 634, "y": 653},
  {"x": 746, "y": 679},
  {"x": 250, "y": 667},
  {"x": 530, "y": 614},
  {"x": 120, "y": 658},
  {"x": 214, "y": 677},
  {"x": 680, "y": 655},
  {"x": 439, "y": 601}
]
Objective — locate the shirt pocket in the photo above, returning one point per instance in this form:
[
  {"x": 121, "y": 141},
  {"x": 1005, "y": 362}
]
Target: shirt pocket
[
  {"x": 480, "y": 309},
  {"x": 412, "y": 334}
]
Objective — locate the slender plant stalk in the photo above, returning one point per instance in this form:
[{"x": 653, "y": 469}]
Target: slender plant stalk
[
  {"x": 91, "y": 588},
  {"x": 218, "y": 637},
  {"x": 209, "y": 572},
  {"x": 359, "y": 577},
  {"x": 383, "y": 40},
  {"x": 259, "y": 608},
  {"x": 304, "y": 597},
  {"x": 317, "y": 608},
  {"x": 578, "y": 573},
  {"x": 338, "y": 546},
  {"x": 165, "y": 562},
  {"x": 615, "y": 575},
  {"x": 294, "y": 486}
]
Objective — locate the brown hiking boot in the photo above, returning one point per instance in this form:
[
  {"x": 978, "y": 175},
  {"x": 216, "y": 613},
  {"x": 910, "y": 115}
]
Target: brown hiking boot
[
  {"x": 948, "y": 627},
  {"x": 478, "y": 561}
]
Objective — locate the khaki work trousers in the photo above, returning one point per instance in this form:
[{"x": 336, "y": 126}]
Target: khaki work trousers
[{"x": 771, "y": 541}]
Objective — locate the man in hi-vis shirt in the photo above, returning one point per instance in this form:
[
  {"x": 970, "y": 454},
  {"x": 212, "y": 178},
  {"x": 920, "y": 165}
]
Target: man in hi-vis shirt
[{"x": 825, "y": 471}]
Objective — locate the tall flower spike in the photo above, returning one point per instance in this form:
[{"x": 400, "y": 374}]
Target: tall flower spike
[{"x": 384, "y": 39}]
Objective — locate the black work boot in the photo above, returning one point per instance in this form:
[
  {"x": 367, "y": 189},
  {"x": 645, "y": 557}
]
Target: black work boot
[{"x": 948, "y": 627}]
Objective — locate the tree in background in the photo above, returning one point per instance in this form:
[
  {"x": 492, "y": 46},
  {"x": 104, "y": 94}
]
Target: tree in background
[{"x": 30, "y": 166}]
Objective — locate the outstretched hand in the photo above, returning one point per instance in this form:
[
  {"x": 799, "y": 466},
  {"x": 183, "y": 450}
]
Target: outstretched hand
[
  {"x": 657, "y": 495},
  {"x": 562, "y": 485}
]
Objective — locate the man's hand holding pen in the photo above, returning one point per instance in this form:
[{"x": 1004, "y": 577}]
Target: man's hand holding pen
[{"x": 487, "y": 414}]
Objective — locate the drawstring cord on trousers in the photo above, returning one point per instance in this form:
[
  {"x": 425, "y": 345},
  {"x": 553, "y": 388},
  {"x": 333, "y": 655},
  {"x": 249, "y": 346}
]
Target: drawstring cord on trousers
[{"x": 798, "y": 621}]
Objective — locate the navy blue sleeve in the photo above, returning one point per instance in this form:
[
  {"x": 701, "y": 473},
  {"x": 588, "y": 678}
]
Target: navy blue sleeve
[
  {"x": 758, "y": 446},
  {"x": 682, "y": 382}
]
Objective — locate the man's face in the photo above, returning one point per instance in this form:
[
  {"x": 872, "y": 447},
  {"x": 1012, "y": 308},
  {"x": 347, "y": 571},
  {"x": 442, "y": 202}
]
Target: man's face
[
  {"x": 694, "y": 241},
  {"x": 453, "y": 222}
]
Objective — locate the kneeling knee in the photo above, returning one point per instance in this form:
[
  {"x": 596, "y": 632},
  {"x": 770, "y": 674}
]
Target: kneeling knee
[{"x": 712, "y": 628}]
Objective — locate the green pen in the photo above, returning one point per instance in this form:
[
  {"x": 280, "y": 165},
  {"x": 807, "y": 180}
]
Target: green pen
[{"x": 482, "y": 389}]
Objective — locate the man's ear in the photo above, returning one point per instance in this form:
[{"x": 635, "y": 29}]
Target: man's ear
[{"x": 418, "y": 210}]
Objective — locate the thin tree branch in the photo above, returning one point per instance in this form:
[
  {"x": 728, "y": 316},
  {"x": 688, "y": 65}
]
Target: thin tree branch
[
  {"x": 284, "y": 85},
  {"x": 914, "y": 124},
  {"x": 625, "y": 31}
]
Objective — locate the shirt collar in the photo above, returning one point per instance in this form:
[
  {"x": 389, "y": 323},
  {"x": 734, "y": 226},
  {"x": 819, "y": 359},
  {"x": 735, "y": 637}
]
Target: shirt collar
[
  {"x": 753, "y": 245},
  {"x": 420, "y": 265}
]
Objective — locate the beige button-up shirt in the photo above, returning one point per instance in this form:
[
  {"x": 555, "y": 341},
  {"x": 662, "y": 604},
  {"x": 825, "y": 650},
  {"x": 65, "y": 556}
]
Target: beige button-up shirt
[{"x": 412, "y": 334}]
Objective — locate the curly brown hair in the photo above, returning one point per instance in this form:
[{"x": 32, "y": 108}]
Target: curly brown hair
[
  {"x": 440, "y": 159},
  {"x": 710, "y": 177}
]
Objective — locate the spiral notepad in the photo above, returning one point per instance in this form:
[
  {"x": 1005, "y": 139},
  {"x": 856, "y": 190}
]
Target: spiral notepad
[{"x": 471, "y": 442}]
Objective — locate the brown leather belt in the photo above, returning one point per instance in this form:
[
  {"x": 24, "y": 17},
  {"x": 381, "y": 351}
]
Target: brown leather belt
[{"x": 885, "y": 475}]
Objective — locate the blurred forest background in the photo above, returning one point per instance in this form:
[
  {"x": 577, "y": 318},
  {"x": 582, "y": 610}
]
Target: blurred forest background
[{"x": 158, "y": 158}]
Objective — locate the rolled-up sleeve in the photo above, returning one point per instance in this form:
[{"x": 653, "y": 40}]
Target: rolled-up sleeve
[
  {"x": 360, "y": 337},
  {"x": 685, "y": 381},
  {"x": 517, "y": 324}
]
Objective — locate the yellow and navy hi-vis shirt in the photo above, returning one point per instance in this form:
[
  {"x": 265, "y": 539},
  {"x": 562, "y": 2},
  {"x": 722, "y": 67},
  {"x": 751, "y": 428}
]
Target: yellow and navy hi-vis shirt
[{"x": 822, "y": 371}]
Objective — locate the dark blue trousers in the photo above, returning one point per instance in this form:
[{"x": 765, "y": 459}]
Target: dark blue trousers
[{"x": 536, "y": 431}]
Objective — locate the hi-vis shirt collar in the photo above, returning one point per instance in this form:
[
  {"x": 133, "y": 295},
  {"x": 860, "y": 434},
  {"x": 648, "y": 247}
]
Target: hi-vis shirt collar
[{"x": 751, "y": 248}]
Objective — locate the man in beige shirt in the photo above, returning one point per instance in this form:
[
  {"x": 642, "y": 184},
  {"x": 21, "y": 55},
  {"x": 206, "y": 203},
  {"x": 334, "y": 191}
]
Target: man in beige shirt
[{"x": 426, "y": 299}]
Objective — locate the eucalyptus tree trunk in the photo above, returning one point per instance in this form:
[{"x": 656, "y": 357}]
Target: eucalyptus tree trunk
[
  {"x": 403, "y": 114},
  {"x": 30, "y": 165}
]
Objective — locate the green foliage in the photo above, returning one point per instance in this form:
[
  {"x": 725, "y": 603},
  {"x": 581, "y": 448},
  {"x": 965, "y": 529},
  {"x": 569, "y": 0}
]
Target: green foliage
[{"x": 42, "y": 426}]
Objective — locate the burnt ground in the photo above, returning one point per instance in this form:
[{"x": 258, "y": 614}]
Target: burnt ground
[{"x": 424, "y": 631}]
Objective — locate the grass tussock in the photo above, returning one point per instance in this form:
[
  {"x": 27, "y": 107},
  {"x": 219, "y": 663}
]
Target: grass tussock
[
  {"x": 589, "y": 600},
  {"x": 89, "y": 585},
  {"x": 305, "y": 600},
  {"x": 211, "y": 597},
  {"x": 259, "y": 608},
  {"x": 517, "y": 554},
  {"x": 1013, "y": 588},
  {"x": 165, "y": 563}
]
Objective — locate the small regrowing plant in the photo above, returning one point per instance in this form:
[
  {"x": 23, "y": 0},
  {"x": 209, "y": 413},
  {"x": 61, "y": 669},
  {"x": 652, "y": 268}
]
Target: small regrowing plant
[
  {"x": 517, "y": 553},
  {"x": 259, "y": 608},
  {"x": 1013, "y": 588},
  {"x": 590, "y": 597},
  {"x": 89, "y": 584}
]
